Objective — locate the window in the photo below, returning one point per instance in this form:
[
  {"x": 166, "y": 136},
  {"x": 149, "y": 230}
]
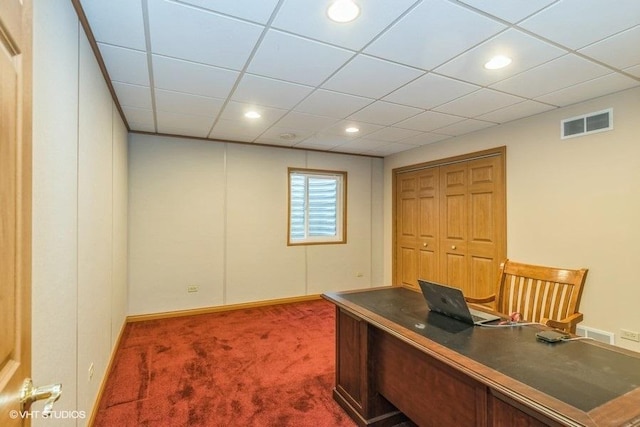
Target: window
[{"x": 317, "y": 207}]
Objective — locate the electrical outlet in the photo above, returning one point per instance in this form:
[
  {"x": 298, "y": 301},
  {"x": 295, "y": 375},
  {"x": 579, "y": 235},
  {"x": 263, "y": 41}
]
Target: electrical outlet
[
  {"x": 630, "y": 335},
  {"x": 91, "y": 371},
  {"x": 192, "y": 288}
]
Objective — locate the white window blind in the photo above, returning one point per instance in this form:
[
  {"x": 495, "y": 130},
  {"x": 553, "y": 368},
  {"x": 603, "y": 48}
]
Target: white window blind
[{"x": 316, "y": 206}]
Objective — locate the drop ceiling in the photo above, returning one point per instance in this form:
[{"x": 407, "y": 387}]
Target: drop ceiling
[{"x": 406, "y": 73}]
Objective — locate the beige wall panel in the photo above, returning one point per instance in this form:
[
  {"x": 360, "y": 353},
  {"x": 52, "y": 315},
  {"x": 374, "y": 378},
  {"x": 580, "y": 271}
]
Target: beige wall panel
[
  {"x": 345, "y": 266},
  {"x": 55, "y": 178},
  {"x": 377, "y": 223},
  {"x": 260, "y": 265},
  {"x": 571, "y": 203},
  {"x": 176, "y": 223},
  {"x": 95, "y": 226},
  {"x": 120, "y": 216}
]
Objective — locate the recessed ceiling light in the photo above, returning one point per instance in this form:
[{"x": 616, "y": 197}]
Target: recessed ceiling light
[
  {"x": 343, "y": 11},
  {"x": 352, "y": 129},
  {"x": 497, "y": 62},
  {"x": 252, "y": 115}
]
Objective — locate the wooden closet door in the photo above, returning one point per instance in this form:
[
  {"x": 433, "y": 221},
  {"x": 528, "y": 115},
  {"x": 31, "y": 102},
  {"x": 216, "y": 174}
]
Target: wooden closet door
[
  {"x": 486, "y": 224},
  {"x": 454, "y": 225},
  {"x": 472, "y": 224},
  {"x": 417, "y": 227},
  {"x": 406, "y": 229},
  {"x": 428, "y": 224}
]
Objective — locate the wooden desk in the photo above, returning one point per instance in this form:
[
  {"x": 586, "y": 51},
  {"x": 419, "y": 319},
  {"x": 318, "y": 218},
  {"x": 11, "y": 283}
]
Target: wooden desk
[{"x": 394, "y": 358}]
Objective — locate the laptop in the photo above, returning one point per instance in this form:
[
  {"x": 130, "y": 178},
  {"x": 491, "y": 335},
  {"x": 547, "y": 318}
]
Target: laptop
[{"x": 450, "y": 302}]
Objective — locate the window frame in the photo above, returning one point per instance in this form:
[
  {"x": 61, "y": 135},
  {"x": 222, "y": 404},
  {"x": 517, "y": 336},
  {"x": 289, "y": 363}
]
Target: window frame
[{"x": 341, "y": 208}]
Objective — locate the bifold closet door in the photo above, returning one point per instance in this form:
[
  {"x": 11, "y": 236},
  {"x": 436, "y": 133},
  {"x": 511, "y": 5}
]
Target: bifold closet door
[
  {"x": 417, "y": 227},
  {"x": 472, "y": 224}
]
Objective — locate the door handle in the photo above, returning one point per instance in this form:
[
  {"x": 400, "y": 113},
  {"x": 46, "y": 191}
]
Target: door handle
[{"x": 30, "y": 394}]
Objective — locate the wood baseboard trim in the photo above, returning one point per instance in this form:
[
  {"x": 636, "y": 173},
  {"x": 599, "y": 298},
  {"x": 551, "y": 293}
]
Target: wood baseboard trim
[
  {"x": 103, "y": 383},
  {"x": 220, "y": 308}
]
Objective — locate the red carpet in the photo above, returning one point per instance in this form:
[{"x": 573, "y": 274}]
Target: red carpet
[{"x": 268, "y": 366}]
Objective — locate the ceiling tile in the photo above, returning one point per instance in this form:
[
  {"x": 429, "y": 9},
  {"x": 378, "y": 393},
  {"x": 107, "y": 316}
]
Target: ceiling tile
[
  {"x": 621, "y": 51},
  {"x": 189, "y": 77},
  {"x": 237, "y": 130},
  {"x": 138, "y": 115},
  {"x": 433, "y": 33},
  {"x": 430, "y": 91},
  {"x": 393, "y": 134},
  {"x": 177, "y": 102},
  {"x": 479, "y": 102},
  {"x": 429, "y": 120},
  {"x": 595, "y": 19},
  {"x": 310, "y": 19},
  {"x": 321, "y": 141},
  {"x": 554, "y": 75},
  {"x": 370, "y": 77},
  {"x": 183, "y": 124},
  {"x": 332, "y": 104},
  {"x": 517, "y": 111},
  {"x": 141, "y": 127},
  {"x": 257, "y": 11},
  {"x": 269, "y": 92},
  {"x": 384, "y": 113},
  {"x": 291, "y": 58},
  {"x": 590, "y": 89},
  {"x": 125, "y": 65},
  {"x": 306, "y": 121},
  {"x": 509, "y": 10},
  {"x": 425, "y": 138},
  {"x": 117, "y": 22},
  {"x": 525, "y": 52},
  {"x": 634, "y": 71},
  {"x": 187, "y": 33},
  {"x": 466, "y": 126},
  {"x": 392, "y": 148},
  {"x": 133, "y": 95},
  {"x": 359, "y": 145}
]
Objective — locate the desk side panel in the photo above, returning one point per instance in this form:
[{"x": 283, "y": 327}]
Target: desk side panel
[{"x": 421, "y": 386}]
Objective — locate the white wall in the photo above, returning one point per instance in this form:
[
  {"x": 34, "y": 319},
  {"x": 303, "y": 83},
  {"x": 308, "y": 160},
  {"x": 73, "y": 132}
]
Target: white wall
[
  {"x": 79, "y": 213},
  {"x": 214, "y": 215},
  {"x": 570, "y": 203}
]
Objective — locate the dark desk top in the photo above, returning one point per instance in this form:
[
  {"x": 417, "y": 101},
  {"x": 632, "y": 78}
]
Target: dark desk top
[{"x": 581, "y": 373}]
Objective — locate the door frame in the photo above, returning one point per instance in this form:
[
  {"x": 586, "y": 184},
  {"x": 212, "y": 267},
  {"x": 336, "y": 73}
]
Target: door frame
[{"x": 492, "y": 152}]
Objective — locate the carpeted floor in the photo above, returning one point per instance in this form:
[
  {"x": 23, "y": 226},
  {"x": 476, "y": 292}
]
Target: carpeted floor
[{"x": 268, "y": 366}]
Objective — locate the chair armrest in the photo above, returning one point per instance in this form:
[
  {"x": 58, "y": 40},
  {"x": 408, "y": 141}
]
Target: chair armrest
[
  {"x": 567, "y": 324},
  {"x": 482, "y": 300}
]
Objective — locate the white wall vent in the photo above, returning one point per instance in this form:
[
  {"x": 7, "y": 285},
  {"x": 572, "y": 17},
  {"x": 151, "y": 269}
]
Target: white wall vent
[
  {"x": 596, "y": 334},
  {"x": 600, "y": 121}
]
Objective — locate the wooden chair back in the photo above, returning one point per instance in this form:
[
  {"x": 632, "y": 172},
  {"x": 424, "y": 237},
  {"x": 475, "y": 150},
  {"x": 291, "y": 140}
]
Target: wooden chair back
[{"x": 540, "y": 293}]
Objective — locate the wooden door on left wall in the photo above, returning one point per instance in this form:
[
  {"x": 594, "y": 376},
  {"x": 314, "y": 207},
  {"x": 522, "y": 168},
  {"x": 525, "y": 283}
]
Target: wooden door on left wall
[
  {"x": 15, "y": 207},
  {"x": 417, "y": 227}
]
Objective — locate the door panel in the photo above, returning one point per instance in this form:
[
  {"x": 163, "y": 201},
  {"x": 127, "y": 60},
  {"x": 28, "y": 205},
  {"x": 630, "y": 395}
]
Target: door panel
[
  {"x": 428, "y": 265},
  {"x": 455, "y": 270},
  {"x": 408, "y": 266},
  {"x": 483, "y": 273},
  {"x": 15, "y": 202}
]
